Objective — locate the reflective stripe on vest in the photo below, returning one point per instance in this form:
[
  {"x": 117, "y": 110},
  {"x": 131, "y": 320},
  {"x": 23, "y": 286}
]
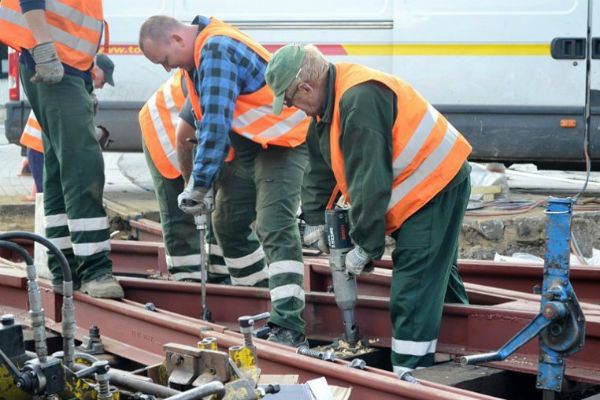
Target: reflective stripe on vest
[
  {"x": 75, "y": 26},
  {"x": 158, "y": 121},
  {"x": 253, "y": 116},
  {"x": 427, "y": 150},
  {"x": 32, "y": 134}
]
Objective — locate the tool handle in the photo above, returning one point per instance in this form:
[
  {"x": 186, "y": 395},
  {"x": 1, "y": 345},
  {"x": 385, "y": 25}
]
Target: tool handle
[
  {"x": 249, "y": 320},
  {"x": 480, "y": 358}
]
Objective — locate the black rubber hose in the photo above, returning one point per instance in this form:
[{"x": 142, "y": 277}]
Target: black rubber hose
[
  {"x": 17, "y": 249},
  {"x": 64, "y": 264},
  {"x": 11, "y": 367}
]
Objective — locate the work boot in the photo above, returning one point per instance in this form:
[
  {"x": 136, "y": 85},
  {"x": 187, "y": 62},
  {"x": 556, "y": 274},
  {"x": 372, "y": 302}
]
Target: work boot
[
  {"x": 287, "y": 337},
  {"x": 105, "y": 287}
]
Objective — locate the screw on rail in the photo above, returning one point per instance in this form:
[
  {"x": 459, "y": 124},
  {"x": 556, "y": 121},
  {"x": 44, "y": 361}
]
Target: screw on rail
[{"x": 328, "y": 355}]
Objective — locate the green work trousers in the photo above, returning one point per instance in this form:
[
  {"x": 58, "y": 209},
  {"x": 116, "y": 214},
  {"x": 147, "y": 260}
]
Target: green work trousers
[
  {"x": 181, "y": 238},
  {"x": 73, "y": 176},
  {"x": 426, "y": 274},
  {"x": 265, "y": 193}
]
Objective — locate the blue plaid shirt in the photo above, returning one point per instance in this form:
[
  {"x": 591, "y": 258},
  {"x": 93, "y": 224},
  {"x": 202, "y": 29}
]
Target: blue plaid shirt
[{"x": 228, "y": 68}]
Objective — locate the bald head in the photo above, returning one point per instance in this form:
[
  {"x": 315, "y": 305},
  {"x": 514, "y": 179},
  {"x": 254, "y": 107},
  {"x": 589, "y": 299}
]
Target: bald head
[
  {"x": 157, "y": 28},
  {"x": 168, "y": 42}
]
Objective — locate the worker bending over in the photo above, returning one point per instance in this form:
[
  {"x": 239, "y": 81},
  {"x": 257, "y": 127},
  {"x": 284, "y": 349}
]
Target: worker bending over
[
  {"x": 258, "y": 169},
  {"x": 402, "y": 167}
]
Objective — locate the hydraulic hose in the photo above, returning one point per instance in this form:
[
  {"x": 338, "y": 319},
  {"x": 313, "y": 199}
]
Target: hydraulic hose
[
  {"x": 36, "y": 312},
  {"x": 68, "y": 308}
]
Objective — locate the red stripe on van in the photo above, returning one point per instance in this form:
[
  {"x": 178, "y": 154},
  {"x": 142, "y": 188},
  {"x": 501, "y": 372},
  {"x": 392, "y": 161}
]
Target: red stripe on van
[{"x": 133, "y": 49}]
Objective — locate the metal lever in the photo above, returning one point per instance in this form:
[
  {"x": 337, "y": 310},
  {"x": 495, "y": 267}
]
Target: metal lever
[{"x": 560, "y": 323}]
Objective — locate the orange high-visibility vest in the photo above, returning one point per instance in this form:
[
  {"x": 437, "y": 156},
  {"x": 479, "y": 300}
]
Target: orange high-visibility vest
[
  {"x": 75, "y": 26},
  {"x": 32, "y": 134},
  {"x": 158, "y": 121},
  {"x": 427, "y": 150},
  {"x": 253, "y": 116}
]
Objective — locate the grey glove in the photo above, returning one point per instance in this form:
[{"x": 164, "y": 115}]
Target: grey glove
[
  {"x": 48, "y": 68},
  {"x": 194, "y": 200},
  {"x": 315, "y": 236},
  {"x": 356, "y": 260}
]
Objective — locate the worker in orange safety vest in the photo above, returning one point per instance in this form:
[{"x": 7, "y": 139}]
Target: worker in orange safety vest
[
  {"x": 164, "y": 119},
  {"x": 402, "y": 168}
]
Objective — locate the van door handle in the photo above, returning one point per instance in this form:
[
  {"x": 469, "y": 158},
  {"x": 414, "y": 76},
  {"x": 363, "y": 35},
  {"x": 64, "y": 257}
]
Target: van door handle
[
  {"x": 595, "y": 48},
  {"x": 568, "y": 48}
]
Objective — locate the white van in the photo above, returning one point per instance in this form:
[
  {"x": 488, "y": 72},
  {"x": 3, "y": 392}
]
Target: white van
[{"x": 512, "y": 75}]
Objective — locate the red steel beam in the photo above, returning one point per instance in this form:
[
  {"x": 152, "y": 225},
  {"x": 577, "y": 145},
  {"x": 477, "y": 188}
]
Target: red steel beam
[
  {"x": 136, "y": 332},
  {"x": 138, "y": 258},
  {"x": 465, "y": 329},
  {"x": 517, "y": 277}
]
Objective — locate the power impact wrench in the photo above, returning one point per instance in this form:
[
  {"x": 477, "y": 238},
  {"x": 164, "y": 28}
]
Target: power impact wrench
[
  {"x": 203, "y": 225},
  {"x": 337, "y": 225}
]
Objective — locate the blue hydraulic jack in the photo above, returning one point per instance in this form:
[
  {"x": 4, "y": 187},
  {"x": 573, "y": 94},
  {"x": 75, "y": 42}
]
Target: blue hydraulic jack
[{"x": 560, "y": 324}]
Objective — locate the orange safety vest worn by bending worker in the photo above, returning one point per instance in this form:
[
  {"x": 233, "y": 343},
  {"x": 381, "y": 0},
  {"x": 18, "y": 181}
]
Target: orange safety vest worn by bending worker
[
  {"x": 253, "y": 115},
  {"x": 158, "y": 121},
  {"x": 427, "y": 150},
  {"x": 75, "y": 26},
  {"x": 32, "y": 134}
]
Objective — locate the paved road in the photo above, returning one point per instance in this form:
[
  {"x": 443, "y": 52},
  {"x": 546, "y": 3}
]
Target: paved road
[{"x": 125, "y": 172}]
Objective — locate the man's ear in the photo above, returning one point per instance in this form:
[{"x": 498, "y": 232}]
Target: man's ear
[
  {"x": 305, "y": 87},
  {"x": 175, "y": 37}
]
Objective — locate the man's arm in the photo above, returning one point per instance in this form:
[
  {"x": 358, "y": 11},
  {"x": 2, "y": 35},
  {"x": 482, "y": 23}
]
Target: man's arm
[
  {"x": 185, "y": 133},
  {"x": 217, "y": 84},
  {"x": 318, "y": 182},
  {"x": 34, "y": 12},
  {"x": 368, "y": 112},
  {"x": 186, "y": 139},
  {"x": 48, "y": 68}
]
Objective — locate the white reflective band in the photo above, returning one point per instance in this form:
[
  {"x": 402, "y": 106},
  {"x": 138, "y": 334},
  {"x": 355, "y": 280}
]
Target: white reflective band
[
  {"x": 284, "y": 126},
  {"x": 215, "y": 250},
  {"x": 251, "y": 116},
  {"x": 245, "y": 261},
  {"x": 54, "y": 221},
  {"x": 162, "y": 130},
  {"x": 218, "y": 269},
  {"x": 88, "y": 249},
  {"x": 410, "y": 348},
  {"x": 250, "y": 280},
  {"x": 32, "y": 131},
  {"x": 170, "y": 102},
  {"x": 180, "y": 261},
  {"x": 73, "y": 15},
  {"x": 286, "y": 267},
  {"x": 87, "y": 224},
  {"x": 416, "y": 141},
  {"x": 287, "y": 291},
  {"x": 73, "y": 42},
  {"x": 62, "y": 242},
  {"x": 13, "y": 17},
  {"x": 426, "y": 168}
]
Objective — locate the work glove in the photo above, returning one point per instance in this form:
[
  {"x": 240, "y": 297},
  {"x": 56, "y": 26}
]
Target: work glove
[
  {"x": 315, "y": 236},
  {"x": 194, "y": 200},
  {"x": 48, "y": 68},
  {"x": 356, "y": 260}
]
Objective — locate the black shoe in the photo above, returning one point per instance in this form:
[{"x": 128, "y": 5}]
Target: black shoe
[{"x": 287, "y": 337}]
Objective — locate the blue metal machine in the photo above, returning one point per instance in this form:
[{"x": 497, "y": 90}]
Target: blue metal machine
[{"x": 560, "y": 325}]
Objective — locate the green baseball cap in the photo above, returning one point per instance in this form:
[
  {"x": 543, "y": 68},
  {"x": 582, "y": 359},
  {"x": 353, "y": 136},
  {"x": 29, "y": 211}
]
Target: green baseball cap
[
  {"x": 281, "y": 71},
  {"x": 107, "y": 66}
]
